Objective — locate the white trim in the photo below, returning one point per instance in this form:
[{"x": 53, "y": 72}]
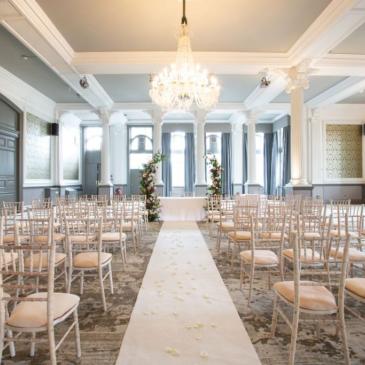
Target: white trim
[{"x": 25, "y": 97}]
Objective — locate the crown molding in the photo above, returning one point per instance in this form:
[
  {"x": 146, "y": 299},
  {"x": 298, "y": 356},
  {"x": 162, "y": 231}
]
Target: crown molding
[{"x": 27, "y": 98}]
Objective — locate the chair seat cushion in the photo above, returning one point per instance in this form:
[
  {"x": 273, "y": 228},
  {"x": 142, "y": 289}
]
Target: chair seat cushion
[
  {"x": 342, "y": 234},
  {"x": 82, "y": 238},
  {"x": 354, "y": 254},
  {"x": 112, "y": 236},
  {"x": 261, "y": 257},
  {"x": 240, "y": 235},
  {"x": 34, "y": 314},
  {"x": 311, "y": 236},
  {"x": 10, "y": 238},
  {"x": 311, "y": 297},
  {"x": 44, "y": 239},
  {"x": 10, "y": 257},
  {"x": 271, "y": 235},
  {"x": 59, "y": 257},
  {"x": 306, "y": 255},
  {"x": 90, "y": 259},
  {"x": 356, "y": 286},
  {"x": 226, "y": 226}
]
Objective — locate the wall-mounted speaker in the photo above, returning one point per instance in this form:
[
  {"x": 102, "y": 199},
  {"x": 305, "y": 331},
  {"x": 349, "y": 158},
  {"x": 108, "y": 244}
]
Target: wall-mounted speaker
[{"x": 54, "y": 129}]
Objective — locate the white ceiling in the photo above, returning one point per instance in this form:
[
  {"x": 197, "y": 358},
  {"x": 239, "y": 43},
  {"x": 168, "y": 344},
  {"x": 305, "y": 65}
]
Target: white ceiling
[
  {"x": 236, "y": 39},
  {"x": 146, "y": 25}
]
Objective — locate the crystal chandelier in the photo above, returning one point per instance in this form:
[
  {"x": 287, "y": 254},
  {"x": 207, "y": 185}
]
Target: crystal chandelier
[{"x": 181, "y": 84}]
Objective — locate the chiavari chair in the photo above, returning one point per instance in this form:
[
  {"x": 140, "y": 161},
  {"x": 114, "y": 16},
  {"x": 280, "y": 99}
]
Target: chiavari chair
[
  {"x": 86, "y": 257},
  {"x": 35, "y": 306},
  {"x": 309, "y": 301},
  {"x": 264, "y": 253},
  {"x": 225, "y": 223}
]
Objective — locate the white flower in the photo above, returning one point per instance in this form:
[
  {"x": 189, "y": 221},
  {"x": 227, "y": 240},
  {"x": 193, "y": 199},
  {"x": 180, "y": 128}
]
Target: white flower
[{"x": 203, "y": 354}]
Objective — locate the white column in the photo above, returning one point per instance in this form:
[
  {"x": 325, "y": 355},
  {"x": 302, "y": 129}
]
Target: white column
[
  {"x": 157, "y": 142},
  {"x": 298, "y": 83},
  {"x": 200, "y": 163},
  {"x": 119, "y": 148},
  {"x": 105, "y": 149},
  {"x": 237, "y": 155},
  {"x": 251, "y": 151}
]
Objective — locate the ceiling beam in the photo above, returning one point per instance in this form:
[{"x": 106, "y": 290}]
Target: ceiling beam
[
  {"x": 35, "y": 30},
  {"x": 334, "y": 24},
  {"x": 338, "y": 92}
]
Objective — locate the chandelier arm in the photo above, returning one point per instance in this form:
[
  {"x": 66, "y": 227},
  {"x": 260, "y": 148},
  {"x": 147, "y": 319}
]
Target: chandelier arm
[{"x": 184, "y": 19}]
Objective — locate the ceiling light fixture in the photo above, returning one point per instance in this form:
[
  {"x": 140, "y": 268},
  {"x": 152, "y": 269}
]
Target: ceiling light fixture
[{"x": 184, "y": 83}]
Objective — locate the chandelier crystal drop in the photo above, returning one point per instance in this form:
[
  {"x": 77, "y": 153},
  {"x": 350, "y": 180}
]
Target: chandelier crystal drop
[{"x": 184, "y": 83}]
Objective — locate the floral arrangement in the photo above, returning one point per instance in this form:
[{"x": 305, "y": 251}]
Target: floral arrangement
[
  {"x": 147, "y": 186},
  {"x": 216, "y": 176}
]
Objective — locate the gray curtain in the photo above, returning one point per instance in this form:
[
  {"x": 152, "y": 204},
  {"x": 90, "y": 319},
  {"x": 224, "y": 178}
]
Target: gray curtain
[
  {"x": 245, "y": 164},
  {"x": 189, "y": 163},
  {"x": 274, "y": 156},
  {"x": 286, "y": 156},
  {"x": 268, "y": 142},
  {"x": 226, "y": 164},
  {"x": 166, "y": 163}
]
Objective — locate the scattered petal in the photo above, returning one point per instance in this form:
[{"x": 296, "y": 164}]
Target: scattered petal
[{"x": 203, "y": 354}]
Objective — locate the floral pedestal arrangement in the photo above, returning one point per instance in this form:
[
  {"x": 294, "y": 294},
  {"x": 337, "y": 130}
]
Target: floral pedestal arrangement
[{"x": 215, "y": 170}]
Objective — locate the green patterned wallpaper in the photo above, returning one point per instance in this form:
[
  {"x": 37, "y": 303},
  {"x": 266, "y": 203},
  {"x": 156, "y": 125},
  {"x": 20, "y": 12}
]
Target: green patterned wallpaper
[
  {"x": 343, "y": 151},
  {"x": 38, "y": 149}
]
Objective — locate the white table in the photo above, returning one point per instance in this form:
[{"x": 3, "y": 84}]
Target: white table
[{"x": 182, "y": 208}]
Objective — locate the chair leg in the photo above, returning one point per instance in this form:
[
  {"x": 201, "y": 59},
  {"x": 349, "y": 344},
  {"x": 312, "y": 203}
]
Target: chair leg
[
  {"x": 11, "y": 345},
  {"x": 102, "y": 288},
  {"x": 52, "y": 344},
  {"x": 77, "y": 334},
  {"x": 111, "y": 278},
  {"x": 342, "y": 325},
  {"x": 69, "y": 281},
  {"x": 32, "y": 345},
  {"x": 242, "y": 275},
  {"x": 294, "y": 335},
  {"x": 252, "y": 274},
  {"x": 81, "y": 283},
  {"x": 274, "y": 320}
]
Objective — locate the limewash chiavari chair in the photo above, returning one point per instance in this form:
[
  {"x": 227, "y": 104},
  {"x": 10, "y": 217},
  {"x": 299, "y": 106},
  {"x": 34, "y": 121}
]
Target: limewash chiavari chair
[
  {"x": 225, "y": 223},
  {"x": 112, "y": 230},
  {"x": 241, "y": 234},
  {"x": 313, "y": 299},
  {"x": 266, "y": 245},
  {"x": 213, "y": 211},
  {"x": 130, "y": 221},
  {"x": 35, "y": 306},
  {"x": 86, "y": 256}
]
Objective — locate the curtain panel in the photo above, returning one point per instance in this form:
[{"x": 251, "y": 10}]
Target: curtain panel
[
  {"x": 189, "y": 163},
  {"x": 285, "y": 179},
  {"x": 226, "y": 164},
  {"x": 166, "y": 163},
  {"x": 274, "y": 157},
  {"x": 268, "y": 144},
  {"x": 244, "y": 160}
]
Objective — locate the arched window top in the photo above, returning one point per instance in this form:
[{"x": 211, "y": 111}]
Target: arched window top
[{"x": 141, "y": 143}]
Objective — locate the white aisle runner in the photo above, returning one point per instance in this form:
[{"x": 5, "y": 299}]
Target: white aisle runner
[{"x": 184, "y": 313}]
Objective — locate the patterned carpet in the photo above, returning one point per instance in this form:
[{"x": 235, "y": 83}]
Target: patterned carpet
[{"x": 102, "y": 333}]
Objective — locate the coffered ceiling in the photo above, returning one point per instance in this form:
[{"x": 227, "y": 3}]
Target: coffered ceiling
[
  {"x": 118, "y": 44},
  {"x": 152, "y": 25}
]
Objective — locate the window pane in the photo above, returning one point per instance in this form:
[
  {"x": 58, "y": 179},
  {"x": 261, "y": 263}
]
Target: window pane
[
  {"x": 137, "y": 160},
  {"x": 71, "y": 152},
  {"x": 93, "y": 138}
]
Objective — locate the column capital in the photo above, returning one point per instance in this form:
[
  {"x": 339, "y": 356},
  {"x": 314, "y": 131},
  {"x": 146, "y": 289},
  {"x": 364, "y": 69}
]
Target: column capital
[
  {"x": 104, "y": 115},
  {"x": 156, "y": 114},
  {"x": 297, "y": 78},
  {"x": 200, "y": 116}
]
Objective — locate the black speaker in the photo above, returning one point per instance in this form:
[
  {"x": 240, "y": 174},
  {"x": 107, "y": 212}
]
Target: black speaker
[{"x": 54, "y": 129}]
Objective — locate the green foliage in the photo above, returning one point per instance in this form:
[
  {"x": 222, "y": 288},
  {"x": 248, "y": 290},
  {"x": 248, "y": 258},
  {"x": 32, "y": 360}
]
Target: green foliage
[
  {"x": 215, "y": 170},
  {"x": 147, "y": 186}
]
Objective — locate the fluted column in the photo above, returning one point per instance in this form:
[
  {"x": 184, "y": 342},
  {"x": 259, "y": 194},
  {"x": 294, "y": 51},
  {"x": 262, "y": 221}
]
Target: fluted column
[
  {"x": 237, "y": 153},
  {"x": 200, "y": 163},
  {"x": 119, "y": 149},
  {"x": 105, "y": 186},
  {"x": 252, "y": 186}
]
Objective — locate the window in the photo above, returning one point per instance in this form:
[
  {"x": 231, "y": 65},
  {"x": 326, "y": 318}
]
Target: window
[
  {"x": 260, "y": 158},
  {"x": 140, "y": 146},
  {"x": 213, "y": 148},
  {"x": 279, "y": 160},
  {"x": 71, "y": 152},
  {"x": 93, "y": 138},
  {"x": 178, "y": 159}
]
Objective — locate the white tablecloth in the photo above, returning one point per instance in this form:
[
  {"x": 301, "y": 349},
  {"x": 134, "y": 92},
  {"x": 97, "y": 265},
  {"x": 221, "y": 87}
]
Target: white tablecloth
[{"x": 182, "y": 209}]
